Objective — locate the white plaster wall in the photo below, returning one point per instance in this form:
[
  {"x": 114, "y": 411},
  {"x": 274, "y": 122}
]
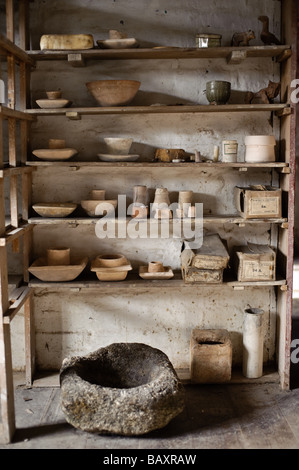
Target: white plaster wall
[{"x": 75, "y": 322}]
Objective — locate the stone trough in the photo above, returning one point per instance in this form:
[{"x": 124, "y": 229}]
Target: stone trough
[{"x": 124, "y": 388}]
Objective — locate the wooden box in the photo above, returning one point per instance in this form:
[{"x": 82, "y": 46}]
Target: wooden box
[
  {"x": 258, "y": 202},
  {"x": 206, "y": 264},
  {"x": 210, "y": 356},
  {"x": 255, "y": 263}
]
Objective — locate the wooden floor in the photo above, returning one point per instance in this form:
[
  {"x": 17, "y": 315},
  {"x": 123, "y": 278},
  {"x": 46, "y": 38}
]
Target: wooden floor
[{"x": 234, "y": 416}]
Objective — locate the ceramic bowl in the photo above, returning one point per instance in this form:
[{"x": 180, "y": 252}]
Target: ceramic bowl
[
  {"x": 54, "y": 209},
  {"x": 111, "y": 261},
  {"x": 53, "y": 95},
  {"x": 46, "y": 273},
  {"x": 118, "y": 145},
  {"x": 99, "y": 208},
  {"x": 218, "y": 92},
  {"x": 113, "y": 92}
]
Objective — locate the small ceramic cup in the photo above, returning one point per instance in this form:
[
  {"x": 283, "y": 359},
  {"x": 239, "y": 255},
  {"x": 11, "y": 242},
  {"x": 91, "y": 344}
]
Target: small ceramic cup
[{"x": 155, "y": 267}]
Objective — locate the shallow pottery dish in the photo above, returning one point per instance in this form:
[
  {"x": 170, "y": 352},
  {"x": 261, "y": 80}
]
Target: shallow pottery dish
[
  {"x": 61, "y": 209},
  {"x": 118, "y": 145},
  {"x": 125, "y": 43},
  {"x": 55, "y": 154},
  {"x": 218, "y": 92},
  {"x": 52, "y": 104},
  {"x": 166, "y": 274},
  {"x": 106, "y": 157},
  {"x": 118, "y": 272},
  {"x": 113, "y": 92},
  {"x": 58, "y": 273},
  {"x": 107, "y": 207}
]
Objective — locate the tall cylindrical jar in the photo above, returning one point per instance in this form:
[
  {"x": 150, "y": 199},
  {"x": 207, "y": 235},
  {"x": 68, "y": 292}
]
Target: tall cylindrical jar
[{"x": 253, "y": 343}]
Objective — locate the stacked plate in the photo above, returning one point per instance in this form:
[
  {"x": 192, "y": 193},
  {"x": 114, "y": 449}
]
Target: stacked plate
[{"x": 54, "y": 101}]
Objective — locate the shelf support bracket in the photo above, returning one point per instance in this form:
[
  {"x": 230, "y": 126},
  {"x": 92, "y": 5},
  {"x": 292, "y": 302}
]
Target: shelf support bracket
[
  {"x": 236, "y": 57},
  {"x": 284, "y": 56},
  {"x": 76, "y": 60},
  {"x": 73, "y": 115}
]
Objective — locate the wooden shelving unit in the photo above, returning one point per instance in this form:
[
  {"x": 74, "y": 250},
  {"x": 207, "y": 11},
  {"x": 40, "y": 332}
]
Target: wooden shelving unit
[
  {"x": 24, "y": 226},
  {"x": 13, "y": 226}
]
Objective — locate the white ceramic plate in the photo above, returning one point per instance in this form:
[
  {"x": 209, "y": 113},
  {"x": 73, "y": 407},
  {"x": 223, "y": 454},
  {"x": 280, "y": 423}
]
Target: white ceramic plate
[
  {"x": 53, "y": 104},
  {"x": 107, "y": 157}
]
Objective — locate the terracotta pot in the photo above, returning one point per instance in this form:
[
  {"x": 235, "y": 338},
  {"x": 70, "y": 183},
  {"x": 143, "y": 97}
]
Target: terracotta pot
[
  {"x": 140, "y": 211},
  {"x": 155, "y": 267},
  {"x": 56, "y": 144},
  {"x": 58, "y": 256},
  {"x": 185, "y": 197},
  {"x": 113, "y": 92},
  {"x": 140, "y": 195},
  {"x": 161, "y": 197}
]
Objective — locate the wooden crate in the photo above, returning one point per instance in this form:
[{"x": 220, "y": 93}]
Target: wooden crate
[
  {"x": 254, "y": 262},
  {"x": 258, "y": 202}
]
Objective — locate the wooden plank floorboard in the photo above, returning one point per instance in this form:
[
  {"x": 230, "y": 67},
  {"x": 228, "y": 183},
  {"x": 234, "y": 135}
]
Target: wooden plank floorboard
[{"x": 231, "y": 416}]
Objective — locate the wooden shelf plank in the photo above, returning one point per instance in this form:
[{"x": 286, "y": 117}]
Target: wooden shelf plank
[
  {"x": 161, "y": 109},
  {"x": 14, "y": 233},
  {"x": 9, "y": 113},
  {"x": 134, "y": 282},
  {"x": 10, "y": 48},
  {"x": 23, "y": 293},
  {"x": 16, "y": 170},
  {"x": 161, "y": 53},
  {"x": 157, "y": 164},
  {"x": 220, "y": 219}
]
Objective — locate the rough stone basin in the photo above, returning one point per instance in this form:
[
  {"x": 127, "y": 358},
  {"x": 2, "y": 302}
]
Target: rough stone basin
[{"x": 124, "y": 388}]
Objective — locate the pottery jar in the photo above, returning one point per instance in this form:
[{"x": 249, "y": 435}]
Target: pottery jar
[
  {"x": 140, "y": 195},
  {"x": 253, "y": 343},
  {"x": 56, "y": 144},
  {"x": 229, "y": 151},
  {"x": 218, "y": 92},
  {"x": 58, "y": 256},
  {"x": 98, "y": 194},
  {"x": 260, "y": 148}
]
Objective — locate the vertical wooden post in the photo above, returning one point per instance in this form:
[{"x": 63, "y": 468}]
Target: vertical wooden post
[
  {"x": 14, "y": 208},
  {"x": 26, "y": 194},
  {"x": 29, "y": 340},
  {"x": 2, "y": 208},
  {"x": 27, "y": 248},
  {"x": 6, "y": 376},
  {"x": 1, "y": 143},
  {"x": 12, "y": 151}
]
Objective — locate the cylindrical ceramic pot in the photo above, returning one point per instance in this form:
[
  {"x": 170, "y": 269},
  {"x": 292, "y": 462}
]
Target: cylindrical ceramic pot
[
  {"x": 98, "y": 194},
  {"x": 140, "y": 195},
  {"x": 58, "y": 256},
  {"x": 260, "y": 148},
  {"x": 253, "y": 343},
  {"x": 229, "y": 151}
]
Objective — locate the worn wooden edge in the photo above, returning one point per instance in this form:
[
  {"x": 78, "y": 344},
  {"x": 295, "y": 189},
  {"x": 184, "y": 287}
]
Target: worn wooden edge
[
  {"x": 161, "y": 109},
  {"x": 24, "y": 293},
  {"x": 134, "y": 282},
  {"x": 9, "y": 113},
  {"x": 280, "y": 166},
  {"x": 14, "y": 233},
  {"x": 162, "y": 53},
  {"x": 9, "y": 47},
  {"x": 15, "y": 170},
  {"x": 121, "y": 220}
]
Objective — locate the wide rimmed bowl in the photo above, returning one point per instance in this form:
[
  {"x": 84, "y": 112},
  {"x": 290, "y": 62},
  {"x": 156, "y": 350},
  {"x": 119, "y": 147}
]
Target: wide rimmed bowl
[
  {"x": 54, "y": 209},
  {"x": 113, "y": 92},
  {"x": 61, "y": 273},
  {"x": 96, "y": 208}
]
